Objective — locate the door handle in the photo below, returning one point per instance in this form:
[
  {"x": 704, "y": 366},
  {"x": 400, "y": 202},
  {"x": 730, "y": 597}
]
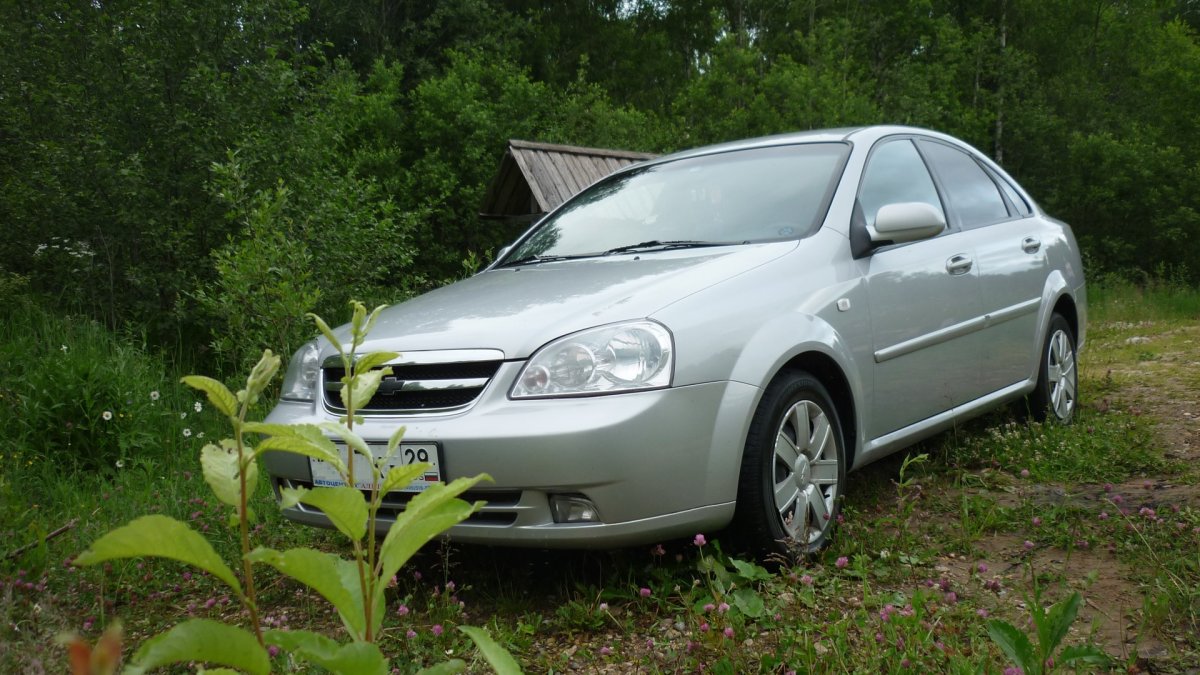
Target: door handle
[
  {"x": 959, "y": 264},
  {"x": 1030, "y": 245}
]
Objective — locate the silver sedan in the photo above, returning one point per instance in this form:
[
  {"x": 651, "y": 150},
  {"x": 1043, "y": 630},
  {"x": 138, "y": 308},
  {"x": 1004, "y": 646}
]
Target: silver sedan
[{"x": 718, "y": 338}]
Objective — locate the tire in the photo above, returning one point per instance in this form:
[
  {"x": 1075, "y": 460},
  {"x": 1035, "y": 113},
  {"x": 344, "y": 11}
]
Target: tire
[
  {"x": 793, "y": 469},
  {"x": 1058, "y": 375}
]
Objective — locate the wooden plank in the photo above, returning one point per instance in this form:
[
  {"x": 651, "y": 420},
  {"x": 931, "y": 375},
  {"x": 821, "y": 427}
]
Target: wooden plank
[
  {"x": 527, "y": 170},
  {"x": 548, "y": 179},
  {"x": 559, "y": 168},
  {"x": 579, "y": 173}
]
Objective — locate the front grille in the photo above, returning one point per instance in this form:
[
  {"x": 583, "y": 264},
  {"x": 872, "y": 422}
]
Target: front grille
[{"x": 416, "y": 386}]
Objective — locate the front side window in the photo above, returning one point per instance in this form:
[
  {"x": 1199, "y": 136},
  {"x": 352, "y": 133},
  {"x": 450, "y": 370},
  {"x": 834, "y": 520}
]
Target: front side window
[
  {"x": 895, "y": 174},
  {"x": 744, "y": 196}
]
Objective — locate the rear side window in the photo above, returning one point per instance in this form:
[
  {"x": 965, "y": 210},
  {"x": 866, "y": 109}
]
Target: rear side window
[
  {"x": 972, "y": 195},
  {"x": 895, "y": 174}
]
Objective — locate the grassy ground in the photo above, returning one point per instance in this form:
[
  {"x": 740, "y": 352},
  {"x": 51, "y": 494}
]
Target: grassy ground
[{"x": 971, "y": 525}]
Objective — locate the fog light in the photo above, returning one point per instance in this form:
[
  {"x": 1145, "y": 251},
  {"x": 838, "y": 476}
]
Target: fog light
[{"x": 573, "y": 509}]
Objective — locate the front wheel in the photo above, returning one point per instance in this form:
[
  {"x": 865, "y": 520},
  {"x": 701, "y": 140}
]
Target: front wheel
[
  {"x": 793, "y": 469},
  {"x": 1058, "y": 374}
]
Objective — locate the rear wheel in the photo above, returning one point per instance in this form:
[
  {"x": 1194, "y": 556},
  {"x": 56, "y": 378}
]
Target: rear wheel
[
  {"x": 1058, "y": 374},
  {"x": 793, "y": 469}
]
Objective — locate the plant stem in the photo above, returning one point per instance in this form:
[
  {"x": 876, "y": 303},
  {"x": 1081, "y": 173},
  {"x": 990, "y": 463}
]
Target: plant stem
[
  {"x": 244, "y": 525},
  {"x": 365, "y": 570}
]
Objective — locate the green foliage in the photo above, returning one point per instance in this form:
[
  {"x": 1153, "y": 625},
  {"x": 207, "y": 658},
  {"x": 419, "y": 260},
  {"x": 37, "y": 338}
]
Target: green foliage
[
  {"x": 163, "y": 537},
  {"x": 355, "y": 587},
  {"x": 76, "y": 396},
  {"x": 1106, "y": 450},
  {"x": 202, "y": 640},
  {"x": 1051, "y": 627},
  {"x": 264, "y": 268},
  {"x": 497, "y": 656}
]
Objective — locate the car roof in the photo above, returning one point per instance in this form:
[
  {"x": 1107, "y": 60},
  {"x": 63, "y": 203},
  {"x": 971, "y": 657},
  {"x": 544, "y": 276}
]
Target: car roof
[{"x": 867, "y": 135}]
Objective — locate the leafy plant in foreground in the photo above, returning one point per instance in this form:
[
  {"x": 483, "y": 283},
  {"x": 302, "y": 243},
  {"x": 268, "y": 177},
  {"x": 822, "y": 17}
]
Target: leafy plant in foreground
[
  {"x": 1051, "y": 626},
  {"x": 356, "y": 586}
]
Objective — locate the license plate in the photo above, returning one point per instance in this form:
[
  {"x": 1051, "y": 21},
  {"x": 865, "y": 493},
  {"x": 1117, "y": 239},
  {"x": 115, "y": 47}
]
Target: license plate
[{"x": 324, "y": 475}]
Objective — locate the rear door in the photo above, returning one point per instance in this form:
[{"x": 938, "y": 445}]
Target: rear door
[{"x": 1010, "y": 262}]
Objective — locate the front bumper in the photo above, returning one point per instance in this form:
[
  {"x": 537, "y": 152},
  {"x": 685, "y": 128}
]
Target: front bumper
[{"x": 656, "y": 464}]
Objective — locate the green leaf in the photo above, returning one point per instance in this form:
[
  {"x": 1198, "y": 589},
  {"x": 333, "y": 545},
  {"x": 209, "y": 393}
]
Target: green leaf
[
  {"x": 220, "y": 466},
  {"x": 355, "y": 443},
  {"x": 206, "y": 641},
  {"x": 333, "y": 578},
  {"x": 358, "y": 317},
  {"x": 394, "y": 441},
  {"x": 327, "y": 332},
  {"x": 261, "y": 374},
  {"x": 401, "y": 476},
  {"x": 344, "y": 506},
  {"x": 301, "y": 439},
  {"x": 448, "y": 668},
  {"x": 748, "y": 601},
  {"x": 162, "y": 537},
  {"x": 289, "y": 497},
  {"x": 373, "y": 360},
  {"x": 353, "y": 658},
  {"x": 347, "y": 435},
  {"x": 1077, "y": 654},
  {"x": 300, "y": 446},
  {"x": 218, "y": 394},
  {"x": 1014, "y": 644},
  {"x": 497, "y": 657},
  {"x": 362, "y": 387},
  {"x": 1057, "y": 621},
  {"x": 372, "y": 318},
  {"x": 750, "y": 571}
]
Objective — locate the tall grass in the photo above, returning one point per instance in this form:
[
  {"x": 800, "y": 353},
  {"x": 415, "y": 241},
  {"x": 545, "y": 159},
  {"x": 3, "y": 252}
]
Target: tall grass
[
  {"x": 94, "y": 427},
  {"x": 1118, "y": 300}
]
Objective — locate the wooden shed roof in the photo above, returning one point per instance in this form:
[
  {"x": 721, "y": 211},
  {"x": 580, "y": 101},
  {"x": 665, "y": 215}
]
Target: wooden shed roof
[{"x": 536, "y": 177}]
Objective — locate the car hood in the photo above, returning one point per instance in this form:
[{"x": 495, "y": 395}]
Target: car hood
[{"x": 518, "y": 309}]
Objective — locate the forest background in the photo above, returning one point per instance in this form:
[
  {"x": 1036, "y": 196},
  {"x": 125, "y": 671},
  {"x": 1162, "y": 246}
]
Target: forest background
[{"x": 167, "y": 165}]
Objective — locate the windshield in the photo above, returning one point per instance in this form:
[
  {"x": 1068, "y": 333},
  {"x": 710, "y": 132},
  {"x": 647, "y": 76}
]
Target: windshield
[{"x": 744, "y": 196}]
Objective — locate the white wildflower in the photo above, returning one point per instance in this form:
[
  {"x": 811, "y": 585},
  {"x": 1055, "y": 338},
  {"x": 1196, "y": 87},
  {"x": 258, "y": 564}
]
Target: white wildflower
[
  {"x": 107, "y": 415},
  {"x": 198, "y": 407},
  {"x": 154, "y": 395},
  {"x": 187, "y": 432}
]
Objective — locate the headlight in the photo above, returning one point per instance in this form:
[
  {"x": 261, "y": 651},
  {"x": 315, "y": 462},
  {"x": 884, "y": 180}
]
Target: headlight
[
  {"x": 300, "y": 382},
  {"x": 610, "y": 359}
]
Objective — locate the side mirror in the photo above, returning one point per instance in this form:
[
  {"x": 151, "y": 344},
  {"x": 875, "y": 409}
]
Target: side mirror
[
  {"x": 502, "y": 252},
  {"x": 905, "y": 222}
]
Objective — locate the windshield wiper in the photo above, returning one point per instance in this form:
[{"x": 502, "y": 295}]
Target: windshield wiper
[
  {"x": 535, "y": 259},
  {"x": 656, "y": 245}
]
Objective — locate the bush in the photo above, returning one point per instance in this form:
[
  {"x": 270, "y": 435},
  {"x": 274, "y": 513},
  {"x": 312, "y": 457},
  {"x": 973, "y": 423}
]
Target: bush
[{"x": 78, "y": 397}]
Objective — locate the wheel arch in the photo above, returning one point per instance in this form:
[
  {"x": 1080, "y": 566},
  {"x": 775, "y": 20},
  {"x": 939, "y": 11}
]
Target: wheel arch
[
  {"x": 829, "y": 373},
  {"x": 1065, "y": 306}
]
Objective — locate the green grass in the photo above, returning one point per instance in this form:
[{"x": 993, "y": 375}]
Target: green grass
[
  {"x": 1123, "y": 301},
  {"x": 934, "y": 538}
]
